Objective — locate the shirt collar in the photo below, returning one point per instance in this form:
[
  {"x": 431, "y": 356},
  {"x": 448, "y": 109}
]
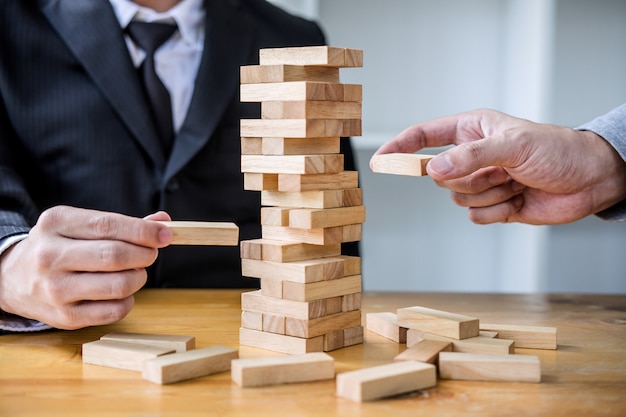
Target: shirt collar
[{"x": 188, "y": 15}]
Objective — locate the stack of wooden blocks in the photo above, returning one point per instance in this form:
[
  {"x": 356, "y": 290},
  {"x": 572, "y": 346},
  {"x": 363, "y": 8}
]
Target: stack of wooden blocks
[{"x": 310, "y": 296}]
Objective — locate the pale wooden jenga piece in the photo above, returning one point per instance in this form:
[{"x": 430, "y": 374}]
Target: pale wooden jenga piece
[
  {"x": 188, "y": 365},
  {"x": 300, "y": 128},
  {"x": 281, "y": 343},
  {"x": 400, "y": 164},
  {"x": 353, "y": 336},
  {"x": 532, "y": 337},
  {"x": 276, "y": 251},
  {"x": 486, "y": 367},
  {"x": 385, "y": 380},
  {"x": 321, "y": 236},
  {"x": 252, "y": 146},
  {"x": 253, "y": 181},
  {"x": 256, "y": 372},
  {"x": 256, "y": 302},
  {"x": 313, "y": 199},
  {"x": 443, "y": 323},
  {"x": 307, "y": 109},
  {"x": 203, "y": 233},
  {"x": 120, "y": 354},
  {"x": 330, "y": 56},
  {"x": 307, "y": 271},
  {"x": 308, "y": 328},
  {"x": 179, "y": 343},
  {"x": 425, "y": 351},
  {"x": 298, "y": 146},
  {"x": 316, "y": 218},
  {"x": 300, "y": 91},
  {"x": 275, "y": 216},
  {"x": 252, "y": 320},
  {"x": 253, "y": 74},
  {"x": 292, "y": 164},
  {"x": 386, "y": 325},
  {"x": 321, "y": 290},
  {"x": 317, "y": 182},
  {"x": 477, "y": 344}
]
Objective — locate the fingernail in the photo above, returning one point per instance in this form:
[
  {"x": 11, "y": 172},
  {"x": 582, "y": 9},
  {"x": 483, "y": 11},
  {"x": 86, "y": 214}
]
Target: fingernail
[{"x": 441, "y": 165}]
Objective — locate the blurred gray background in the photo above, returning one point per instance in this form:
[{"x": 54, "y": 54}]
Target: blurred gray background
[{"x": 553, "y": 61}]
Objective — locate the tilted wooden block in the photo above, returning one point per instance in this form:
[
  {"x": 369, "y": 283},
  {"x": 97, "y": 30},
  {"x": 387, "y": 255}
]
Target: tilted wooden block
[
  {"x": 275, "y": 370},
  {"x": 299, "y": 91},
  {"x": 315, "y": 182},
  {"x": 312, "y": 55},
  {"x": 311, "y": 109},
  {"x": 322, "y": 325},
  {"x": 280, "y": 342},
  {"x": 477, "y": 344},
  {"x": 179, "y": 343},
  {"x": 271, "y": 250},
  {"x": 188, "y": 365},
  {"x": 443, "y": 323},
  {"x": 485, "y": 367},
  {"x": 256, "y": 302},
  {"x": 292, "y": 164},
  {"x": 400, "y": 164},
  {"x": 310, "y": 270},
  {"x": 532, "y": 337},
  {"x": 253, "y": 74},
  {"x": 385, "y": 380},
  {"x": 321, "y": 218},
  {"x": 203, "y": 233},
  {"x": 300, "y": 128},
  {"x": 121, "y": 355},
  {"x": 386, "y": 325},
  {"x": 300, "y": 146},
  {"x": 425, "y": 351},
  {"x": 322, "y": 289}
]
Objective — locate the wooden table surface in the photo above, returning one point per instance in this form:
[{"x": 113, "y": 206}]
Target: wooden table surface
[{"x": 42, "y": 374}]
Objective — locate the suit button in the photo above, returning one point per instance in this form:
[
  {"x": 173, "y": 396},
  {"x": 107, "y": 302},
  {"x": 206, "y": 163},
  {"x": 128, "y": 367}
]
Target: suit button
[{"x": 172, "y": 186}]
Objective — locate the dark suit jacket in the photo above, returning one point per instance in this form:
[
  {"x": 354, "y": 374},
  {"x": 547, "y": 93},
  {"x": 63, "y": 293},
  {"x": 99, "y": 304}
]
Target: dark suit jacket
[{"x": 75, "y": 130}]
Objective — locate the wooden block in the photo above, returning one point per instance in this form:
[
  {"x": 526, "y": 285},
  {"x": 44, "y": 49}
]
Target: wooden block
[
  {"x": 187, "y": 365},
  {"x": 385, "y": 380},
  {"x": 271, "y": 287},
  {"x": 351, "y": 265},
  {"x": 478, "y": 344},
  {"x": 485, "y": 367},
  {"x": 532, "y": 337},
  {"x": 292, "y": 164},
  {"x": 443, "y": 323},
  {"x": 275, "y": 216},
  {"x": 304, "y": 199},
  {"x": 293, "y": 91},
  {"x": 352, "y": 233},
  {"x": 425, "y": 351},
  {"x": 352, "y": 92},
  {"x": 351, "y": 302},
  {"x": 121, "y": 355},
  {"x": 256, "y": 302},
  {"x": 252, "y": 320},
  {"x": 333, "y": 305},
  {"x": 310, "y": 270},
  {"x": 253, "y": 74},
  {"x": 274, "y": 323},
  {"x": 333, "y": 340},
  {"x": 386, "y": 325},
  {"x": 308, "y": 328},
  {"x": 300, "y": 146},
  {"x": 260, "y": 182},
  {"x": 400, "y": 164},
  {"x": 330, "y": 56},
  {"x": 323, "y": 289},
  {"x": 315, "y": 182},
  {"x": 485, "y": 333},
  {"x": 275, "y": 251},
  {"x": 276, "y": 370},
  {"x": 325, "y": 236},
  {"x": 353, "y": 336},
  {"x": 203, "y": 233},
  {"x": 179, "y": 343},
  {"x": 321, "y": 218},
  {"x": 352, "y": 197},
  {"x": 251, "y": 146},
  {"x": 314, "y": 109},
  {"x": 280, "y": 342},
  {"x": 300, "y": 128}
]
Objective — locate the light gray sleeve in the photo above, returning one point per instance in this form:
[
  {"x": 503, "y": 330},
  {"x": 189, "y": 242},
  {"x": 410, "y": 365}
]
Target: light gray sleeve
[{"x": 612, "y": 127}]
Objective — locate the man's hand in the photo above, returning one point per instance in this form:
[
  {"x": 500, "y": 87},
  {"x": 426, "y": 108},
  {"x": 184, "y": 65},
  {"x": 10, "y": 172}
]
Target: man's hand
[
  {"x": 80, "y": 267},
  {"x": 506, "y": 169}
]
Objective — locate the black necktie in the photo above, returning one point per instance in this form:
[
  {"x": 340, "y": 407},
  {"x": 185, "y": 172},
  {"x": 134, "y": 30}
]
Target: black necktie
[{"x": 149, "y": 37}]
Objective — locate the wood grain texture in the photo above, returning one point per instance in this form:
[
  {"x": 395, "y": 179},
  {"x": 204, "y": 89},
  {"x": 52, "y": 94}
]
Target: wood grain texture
[
  {"x": 312, "y": 109},
  {"x": 486, "y": 367},
  {"x": 330, "y": 56},
  {"x": 316, "y": 182},
  {"x": 300, "y": 128},
  {"x": 120, "y": 355},
  {"x": 442, "y": 323},
  {"x": 203, "y": 233},
  {"x": 253, "y": 74},
  {"x": 477, "y": 344},
  {"x": 307, "y": 271},
  {"x": 279, "y": 342},
  {"x": 300, "y": 146},
  {"x": 180, "y": 343},
  {"x": 277, "y": 251},
  {"x": 425, "y": 351},
  {"x": 292, "y": 164},
  {"x": 532, "y": 337},
  {"x": 400, "y": 164},
  {"x": 386, "y": 324}
]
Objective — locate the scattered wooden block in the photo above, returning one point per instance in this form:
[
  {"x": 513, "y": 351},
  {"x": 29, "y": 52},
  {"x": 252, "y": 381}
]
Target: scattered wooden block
[
  {"x": 179, "y": 343},
  {"x": 279, "y": 342},
  {"x": 120, "y": 354},
  {"x": 188, "y": 365},
  {"x": 299, "y": 91},
  {"x": 316, "y": 182},
  {"x": 300, "y": 146},
  {"x": 425, "y": 351},
  {"x": 307, "y": 271},
  {"x": 203, "y": 233},
  {"x": 322, "y": 218},
  {"x": 275, "y": 370},
  {"x": 253, "y": 74},
  {"x": 486, "y": 367},
  {"x": 532, "y": 337},
  {"x": 385, "y": 380},
  {"x": 400, "y": 164},
  {"x": 308, "y": 328},
  {"x": 324, "y": 289},
  {"x": 386, "y": 325},
  {"x": 311, "y": 109},
  {"x": 276, "y": 251},
  {"x": 443, "y": 323},
  {"x": 292, "y": 164},
  {"x": 477, "y": 344},
  {"x": 300, "y": 128},
  {"x": 312, "y": 55}
]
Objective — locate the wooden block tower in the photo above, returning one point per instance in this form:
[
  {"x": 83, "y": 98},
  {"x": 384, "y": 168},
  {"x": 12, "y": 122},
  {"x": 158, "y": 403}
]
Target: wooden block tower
[{"x": 310, "y": 296}]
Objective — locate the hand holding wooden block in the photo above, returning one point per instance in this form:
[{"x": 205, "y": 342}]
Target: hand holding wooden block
[
  {"x": 203, "y": 233},
  {"x": 400, "y": 164}
]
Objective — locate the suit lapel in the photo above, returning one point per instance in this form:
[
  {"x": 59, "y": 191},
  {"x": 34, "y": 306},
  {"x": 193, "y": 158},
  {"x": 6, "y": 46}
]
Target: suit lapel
[
  {"x": 88, "y": 29},
  {"x": 227, "y": 44}
]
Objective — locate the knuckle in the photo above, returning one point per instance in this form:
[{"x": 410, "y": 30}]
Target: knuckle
[
  {"x": 102, "y": 225},
  {"x": 110, "y": 254}
]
